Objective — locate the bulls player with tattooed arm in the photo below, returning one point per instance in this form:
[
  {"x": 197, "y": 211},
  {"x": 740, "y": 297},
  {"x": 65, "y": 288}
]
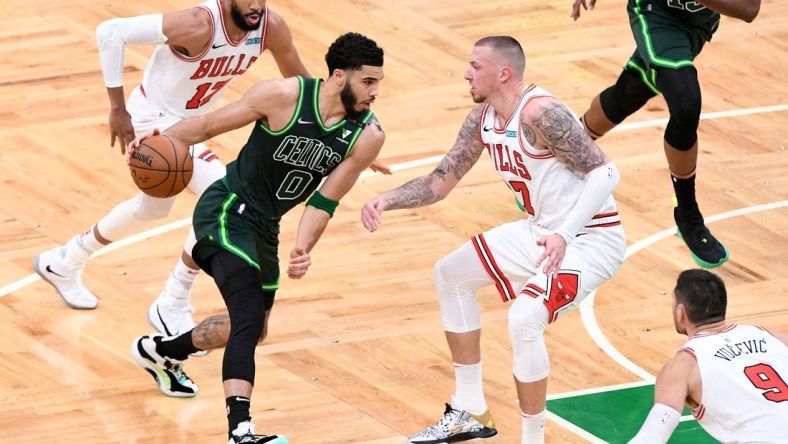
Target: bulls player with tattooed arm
[
  {"x": 545, "y": 264},
  {"x": 733, "y": 377}
]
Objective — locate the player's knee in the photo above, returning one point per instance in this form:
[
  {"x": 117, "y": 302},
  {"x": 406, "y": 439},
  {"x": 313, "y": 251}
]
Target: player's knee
[
  {"x": 527, "y": 319},
  {"x": 628, "y": 95},
  {"x": 527, "y": 322},
  {"x": 152, "y": 208}
]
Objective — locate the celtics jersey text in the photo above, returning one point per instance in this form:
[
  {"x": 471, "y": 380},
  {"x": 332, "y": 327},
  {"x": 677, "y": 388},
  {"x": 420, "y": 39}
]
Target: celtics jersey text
[{"x": 277, "y": 170}]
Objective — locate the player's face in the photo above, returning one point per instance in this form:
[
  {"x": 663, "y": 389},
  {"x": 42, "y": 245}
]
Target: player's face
[
  {"x": 481, "y": 74},
  {"x": 361, "y": 88},
  {"x": 247, "y": 15}
]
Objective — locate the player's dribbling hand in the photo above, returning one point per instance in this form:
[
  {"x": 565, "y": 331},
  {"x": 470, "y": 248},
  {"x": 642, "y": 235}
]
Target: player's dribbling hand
[
  {"x": 554, "y": 250},
  {"x": 371, "y": 212},
  {"x": 588, "y": 5},
  {"x": 299, "y": 263},
  {"x": 134, "y": 144}
]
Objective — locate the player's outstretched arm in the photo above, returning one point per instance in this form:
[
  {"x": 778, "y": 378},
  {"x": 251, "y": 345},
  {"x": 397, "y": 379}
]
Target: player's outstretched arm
[
  {"x": 188, "y": 31},
  {"x": 435, "y": 186},
  {"x": 279, "y": 41}
]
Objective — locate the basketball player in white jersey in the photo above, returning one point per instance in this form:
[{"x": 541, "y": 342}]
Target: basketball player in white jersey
[
  {"x": 200, "y": 52},
  {"x": 734, "y": 378},
  {"x": 545, "y": 264}
]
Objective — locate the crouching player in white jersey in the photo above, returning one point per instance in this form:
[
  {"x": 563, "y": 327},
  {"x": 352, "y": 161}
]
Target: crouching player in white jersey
[
  {"x": 734, "y": 378},
  {"x": 200, "y": 51},
  {"x": 546, "y": 264}
]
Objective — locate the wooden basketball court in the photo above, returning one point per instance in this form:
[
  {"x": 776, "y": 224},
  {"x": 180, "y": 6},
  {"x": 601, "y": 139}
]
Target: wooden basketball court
[{"x": 356, "y": 352}]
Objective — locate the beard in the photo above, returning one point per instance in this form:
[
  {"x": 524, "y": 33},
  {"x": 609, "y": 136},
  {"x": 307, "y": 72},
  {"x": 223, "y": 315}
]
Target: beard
[
  {"x": 349, "y": 101},
  {"x": 240, "y": 20}
]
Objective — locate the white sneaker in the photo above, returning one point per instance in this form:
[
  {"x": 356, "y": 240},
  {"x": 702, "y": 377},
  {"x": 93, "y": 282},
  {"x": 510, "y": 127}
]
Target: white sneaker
[
  {"x": 244, "y": 433},
  {"x": 67, "y": 281},
  {"x": 169, "y": 320}
]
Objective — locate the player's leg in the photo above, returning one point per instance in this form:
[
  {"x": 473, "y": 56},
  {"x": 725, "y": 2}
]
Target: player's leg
[
  {"x": 171, "y": 312},
  {"x": 590, "y": 260},
  {"x": 457, "y": 277},
  {"x": 62, "y": 266},
  {"x": 683, "y": 96},
  {"x": 631, "y": 91}
]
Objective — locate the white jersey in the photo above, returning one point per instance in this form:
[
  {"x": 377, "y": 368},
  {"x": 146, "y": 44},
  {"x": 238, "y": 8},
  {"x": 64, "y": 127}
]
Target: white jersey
[
  {"x": 184, "y": 86},
  {"x": 744, "y": 378},
  {"x": 545, "y": 188}
]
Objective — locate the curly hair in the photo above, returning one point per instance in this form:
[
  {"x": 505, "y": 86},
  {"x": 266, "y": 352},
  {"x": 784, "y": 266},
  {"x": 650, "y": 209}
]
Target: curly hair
[{"x": 351, "y": 51}]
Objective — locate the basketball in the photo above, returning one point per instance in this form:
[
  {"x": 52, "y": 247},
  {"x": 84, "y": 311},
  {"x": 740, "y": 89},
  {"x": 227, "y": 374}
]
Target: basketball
[{"x": 161, "y": 166}]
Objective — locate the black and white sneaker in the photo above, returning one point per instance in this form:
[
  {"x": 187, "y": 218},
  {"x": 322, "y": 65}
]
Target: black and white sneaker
[
  {"x": 244, "y": 433},
  {"x": 168, "y": 373}
]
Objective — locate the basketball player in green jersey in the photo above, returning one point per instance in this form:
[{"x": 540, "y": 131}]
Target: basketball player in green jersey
[
  {"x": 305, "y": 130},
  {"x": 669, "y": 35}
]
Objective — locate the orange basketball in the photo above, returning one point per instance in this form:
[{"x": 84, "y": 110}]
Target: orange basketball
[{"x": 161, "y": 166}]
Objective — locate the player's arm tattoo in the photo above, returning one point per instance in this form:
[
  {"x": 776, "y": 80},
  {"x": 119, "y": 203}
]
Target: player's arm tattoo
[
  {"x": 455, "y": 164},
  {"x": 375, "y": 123},
  {"x": 565, "y": 138}
]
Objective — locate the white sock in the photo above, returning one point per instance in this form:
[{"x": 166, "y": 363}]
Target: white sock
[
  {"x": 184, "y": 274},
  {"x": 468, "y": 394},
  {"x": 179, "y": 285},
  {"x": 533, "y": 428},
  {"x": 75, "y": 255},
  {"x": 88, "y": 240}
]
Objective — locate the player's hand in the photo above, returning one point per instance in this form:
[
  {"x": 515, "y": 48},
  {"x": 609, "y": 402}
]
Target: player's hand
[
  {"x": 379, "y": 167},
  {"x": 372, "y": 211},
  {"x": 135, "y": 143},
  {"x": 120, "y": 128},
  {"x": 299, "y": 263},
  {"x": 553, "y": 254},
  {"x": 588, "y": 5}
]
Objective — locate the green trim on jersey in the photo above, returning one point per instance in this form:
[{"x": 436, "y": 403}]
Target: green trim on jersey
[
  {"x": 651, "y": 81},
  {"x": 296, "y": 113},
  {"x": 652, "y": 55},
  {"x": 225, "y": 236}
]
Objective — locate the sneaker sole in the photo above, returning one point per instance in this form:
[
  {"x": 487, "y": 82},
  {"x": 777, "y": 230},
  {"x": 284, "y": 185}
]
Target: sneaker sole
[
  {"x": 158, "y": 376},
  {"x": 484, "y": 435},
  {"x": 43, "y": 276},
  {"x": 700, "y": 261}
]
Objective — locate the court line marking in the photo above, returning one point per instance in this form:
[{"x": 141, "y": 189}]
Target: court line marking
[{"x": 587, "y": 306}]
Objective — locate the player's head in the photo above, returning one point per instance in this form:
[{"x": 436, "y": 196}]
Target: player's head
[
  {"x": 700, "y": 296},
  {"x": 247, "y": 15},
  {"x": 494, "y": 60},
  {"x": 356, "y": 63}
]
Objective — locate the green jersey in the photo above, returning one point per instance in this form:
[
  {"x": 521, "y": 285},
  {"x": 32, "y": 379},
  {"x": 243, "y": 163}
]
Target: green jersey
[
  {"x": 277, "y": 170},
  {"x": 688, "y": 12}
]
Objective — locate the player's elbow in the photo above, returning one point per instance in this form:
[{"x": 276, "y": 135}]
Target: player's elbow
[{"x": 751, "y": 11}]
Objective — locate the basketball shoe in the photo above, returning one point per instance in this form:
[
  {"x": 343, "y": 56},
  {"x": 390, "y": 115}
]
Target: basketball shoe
[
  {"x": 457, "y": 426},
  {"x": 705, "y": 249},
  {"x": 244, "y": 433},
  {"x": 169, "y": 315},
  {"x": 51, "y": 266},
  {"x": 168, "y": 373}
]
